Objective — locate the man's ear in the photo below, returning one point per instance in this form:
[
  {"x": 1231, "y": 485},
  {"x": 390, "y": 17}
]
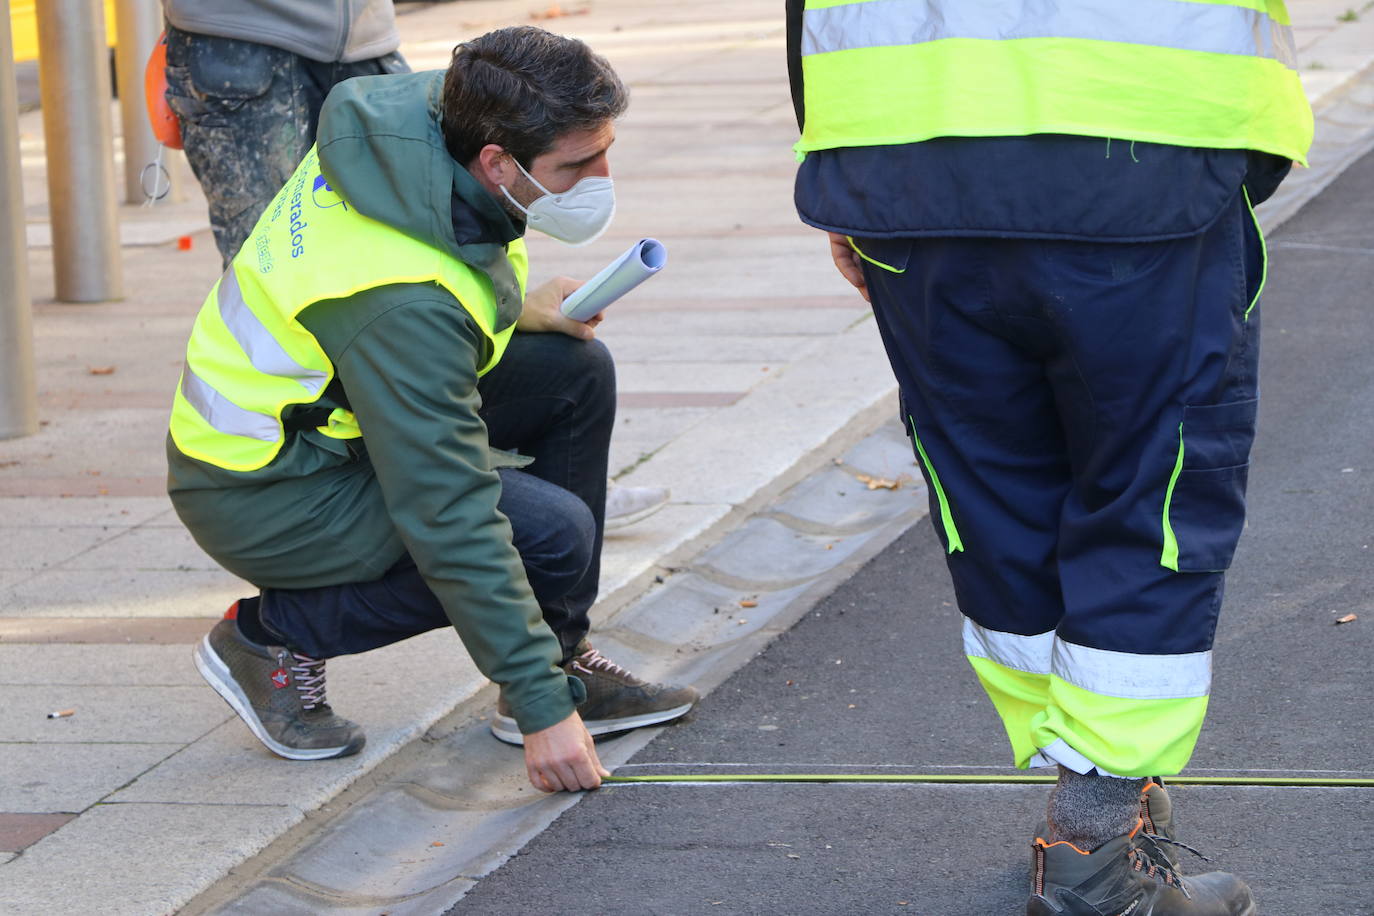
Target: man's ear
[{"x": 491, "y": 166}]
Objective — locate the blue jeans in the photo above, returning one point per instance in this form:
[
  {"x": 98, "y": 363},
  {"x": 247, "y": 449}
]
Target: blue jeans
[{"x": 551, "y": 398}]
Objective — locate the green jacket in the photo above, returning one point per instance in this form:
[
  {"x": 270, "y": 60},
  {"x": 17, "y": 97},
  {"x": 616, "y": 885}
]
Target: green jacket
[{"x": 423, "y": 480}]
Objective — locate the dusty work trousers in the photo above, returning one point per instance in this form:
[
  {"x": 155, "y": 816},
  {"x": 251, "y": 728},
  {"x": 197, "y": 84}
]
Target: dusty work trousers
[
  {"x": 1083, "y": 414},
  {"x": 248, "y": 114}
]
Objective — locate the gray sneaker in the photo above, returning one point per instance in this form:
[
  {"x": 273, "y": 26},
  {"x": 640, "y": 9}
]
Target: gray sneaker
[
  {"x": 279, "y": 695},
  {"x": 616, "y": 701},
  {"x": 1120, "y": 878}
]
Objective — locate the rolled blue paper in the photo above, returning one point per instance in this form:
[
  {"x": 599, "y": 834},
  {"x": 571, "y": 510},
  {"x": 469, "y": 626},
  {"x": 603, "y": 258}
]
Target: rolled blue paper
[{"x": 640, "y": 261}]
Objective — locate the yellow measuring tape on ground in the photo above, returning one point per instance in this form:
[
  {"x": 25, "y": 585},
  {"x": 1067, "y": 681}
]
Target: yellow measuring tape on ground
[{"x": 956, "y": 778}]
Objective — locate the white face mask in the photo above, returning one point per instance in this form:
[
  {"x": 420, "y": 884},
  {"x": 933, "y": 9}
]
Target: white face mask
[{"x": 576, "y": 216}]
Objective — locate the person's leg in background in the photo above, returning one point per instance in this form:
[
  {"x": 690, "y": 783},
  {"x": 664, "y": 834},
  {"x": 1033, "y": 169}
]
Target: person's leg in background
[
  {"x": 248, "y": 115},
  {"x": 245, "y": 124}
]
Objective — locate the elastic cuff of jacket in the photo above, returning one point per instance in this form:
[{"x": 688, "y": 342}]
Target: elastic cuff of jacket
[{"x": 550, "y": 708}]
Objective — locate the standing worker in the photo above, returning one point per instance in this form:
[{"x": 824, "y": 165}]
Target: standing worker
[
  {"x": 330, "y": 441},
  {"x": 1049, "y": 207}
]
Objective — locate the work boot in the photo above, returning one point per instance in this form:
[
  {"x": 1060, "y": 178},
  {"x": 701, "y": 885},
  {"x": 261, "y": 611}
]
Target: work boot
[
  {"x": 279, "y": 694},
  {"x": 1122, "y": 878},
  {"x": 1157, "y": 820},
  {"x": 1157, "y": 823},
  {"x": 616, "y": 699}
]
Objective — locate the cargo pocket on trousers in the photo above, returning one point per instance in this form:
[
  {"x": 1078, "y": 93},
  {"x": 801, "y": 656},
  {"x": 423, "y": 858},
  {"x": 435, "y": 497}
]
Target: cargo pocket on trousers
[
  {"x": 219, "y": 76},
  {"x": 1204, "y": 510}
]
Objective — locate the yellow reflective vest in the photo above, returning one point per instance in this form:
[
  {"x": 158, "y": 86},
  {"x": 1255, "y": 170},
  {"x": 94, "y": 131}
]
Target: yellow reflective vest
[
  {"x": 1203, "y": 73},
  {"x": 249, "y": 358}
]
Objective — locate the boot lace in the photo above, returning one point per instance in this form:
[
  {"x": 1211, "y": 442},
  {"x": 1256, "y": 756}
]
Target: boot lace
[
  {"x": 309, "y": 678},
  {"x": 1142, "y": 861}
]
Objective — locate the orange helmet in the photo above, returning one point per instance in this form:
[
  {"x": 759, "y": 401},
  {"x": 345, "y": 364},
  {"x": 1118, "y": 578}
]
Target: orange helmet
[{"x": 166, "y": 127}]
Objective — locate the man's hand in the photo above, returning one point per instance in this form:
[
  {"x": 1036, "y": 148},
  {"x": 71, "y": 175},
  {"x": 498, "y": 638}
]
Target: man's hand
[
  {"x": 541, "y": 312},
  {"x": 849, "y": 263},
  {"x": 563, "y": 758}
]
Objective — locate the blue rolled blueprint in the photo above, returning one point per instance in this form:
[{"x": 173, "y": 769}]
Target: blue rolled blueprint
[{"x": 641, "y": 261}]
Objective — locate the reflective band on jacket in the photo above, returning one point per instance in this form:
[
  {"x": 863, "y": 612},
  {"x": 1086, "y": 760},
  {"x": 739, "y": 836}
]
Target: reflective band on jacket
[
  {"x": 262, "y": 349},
  {"x": 1214, "y": 28},
  {"x": 249, "y": 358},
  {"x": 1204, "y": 73}
]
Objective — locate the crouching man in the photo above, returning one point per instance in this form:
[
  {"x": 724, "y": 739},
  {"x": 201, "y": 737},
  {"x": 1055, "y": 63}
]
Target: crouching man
[{"x": 347, "y": 437}]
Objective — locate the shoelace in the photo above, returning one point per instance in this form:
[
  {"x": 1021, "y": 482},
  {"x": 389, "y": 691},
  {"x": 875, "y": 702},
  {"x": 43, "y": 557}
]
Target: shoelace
[
  {"x": 592, "y": 660},
  {"x": 1157, "y": 838},
  {"x": 309, "y": 676},
  {"x": 1141, "y": 861}
]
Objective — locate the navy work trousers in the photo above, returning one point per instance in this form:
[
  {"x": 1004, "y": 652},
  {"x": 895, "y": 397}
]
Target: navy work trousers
[
  {"x": 1083, "y": 414},
  {"x": 551, "y": 398}
]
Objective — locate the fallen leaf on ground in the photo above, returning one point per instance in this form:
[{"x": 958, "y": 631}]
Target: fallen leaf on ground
[
  {"x": 436, "y": 843},
  {"x": 1348, "y": 618},
  {"x": 878, "y": 483},
  {"x": 101, "y": 370},
  {"x": 748, "y": 603}
]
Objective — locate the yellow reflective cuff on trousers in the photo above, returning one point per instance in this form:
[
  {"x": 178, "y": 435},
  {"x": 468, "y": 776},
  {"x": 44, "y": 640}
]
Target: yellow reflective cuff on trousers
[
  {"x": 1127, "y": 714},
  {"x": 1018, "y": 697},
  {"x": 1125, "y": 737},
  {"x": 905, "y": 93}
]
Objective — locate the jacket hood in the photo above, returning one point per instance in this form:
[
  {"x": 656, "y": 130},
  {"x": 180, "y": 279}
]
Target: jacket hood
[{"x": 382, "y": 149}]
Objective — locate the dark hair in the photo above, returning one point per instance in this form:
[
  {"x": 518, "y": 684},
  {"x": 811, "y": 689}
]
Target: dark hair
[{"x": 521, "y": 88}]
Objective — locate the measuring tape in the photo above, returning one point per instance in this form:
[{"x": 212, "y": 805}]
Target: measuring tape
[{"x": 952, "y": 778}]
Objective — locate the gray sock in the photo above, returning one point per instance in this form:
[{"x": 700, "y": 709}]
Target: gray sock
[{"x": 1089, "y": 811}]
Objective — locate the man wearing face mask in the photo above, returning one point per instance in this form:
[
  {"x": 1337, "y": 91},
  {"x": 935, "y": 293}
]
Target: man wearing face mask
[{"x": 328, "y": 443}]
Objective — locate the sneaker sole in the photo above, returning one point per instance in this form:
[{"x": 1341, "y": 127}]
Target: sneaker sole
[
  {"x": 504, "y": 728},
  {"x": 216, "y": 674},
  {"x": 625, "y": 521}
]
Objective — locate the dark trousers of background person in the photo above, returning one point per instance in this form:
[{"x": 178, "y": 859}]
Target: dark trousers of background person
[
  {"x": 551, "y": 398},
  {"x": 248, "y": 114}
]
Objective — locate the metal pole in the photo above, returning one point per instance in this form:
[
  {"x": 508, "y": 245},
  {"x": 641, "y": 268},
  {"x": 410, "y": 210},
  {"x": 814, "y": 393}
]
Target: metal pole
[
  {"x": 138, "y": 23},
  {"x": 74, "y": 79},
  {"x": 18, "y": 405}
]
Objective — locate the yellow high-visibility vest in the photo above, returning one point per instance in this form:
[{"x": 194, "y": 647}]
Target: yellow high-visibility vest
[
  {"x": 1205, "y": 73},
  {"x": 249, "y": 358}
]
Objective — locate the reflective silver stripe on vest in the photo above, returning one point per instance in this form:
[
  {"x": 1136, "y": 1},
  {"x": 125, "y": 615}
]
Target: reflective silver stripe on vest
[
  {"x": 1031, "y": 654},
  {"x": 223, "y": 414},
  {"x": 1132, "y": 676},
  {"x": 1211, "y": 27},
  {"x": 264, "y": 352}
]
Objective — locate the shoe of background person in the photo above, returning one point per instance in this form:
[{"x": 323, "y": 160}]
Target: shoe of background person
[
  {"x": 1120, "y": 878},
  {"x": 616, "y": 701},
  {"x": 279, "y": 695},
  {"x": 627, "y": 505}
]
